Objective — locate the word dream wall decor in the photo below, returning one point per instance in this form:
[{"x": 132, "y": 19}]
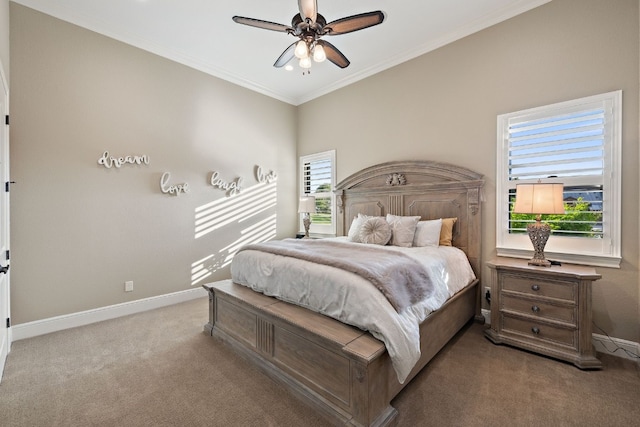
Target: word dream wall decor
[
  {"x": 109, "y": 161},
  {"x": 231, "y": 188}
]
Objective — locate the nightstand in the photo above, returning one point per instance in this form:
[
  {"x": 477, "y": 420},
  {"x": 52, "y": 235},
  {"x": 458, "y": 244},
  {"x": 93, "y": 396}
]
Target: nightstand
[{"x": 546, "y": 310}]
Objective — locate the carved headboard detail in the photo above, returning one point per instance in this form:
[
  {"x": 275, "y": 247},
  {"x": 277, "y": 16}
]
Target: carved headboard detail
[{"x": 427, "y": 189}]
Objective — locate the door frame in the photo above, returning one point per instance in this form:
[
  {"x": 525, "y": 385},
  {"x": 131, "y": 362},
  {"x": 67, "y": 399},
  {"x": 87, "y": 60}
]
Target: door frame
[{"x": 5, "y": 291}]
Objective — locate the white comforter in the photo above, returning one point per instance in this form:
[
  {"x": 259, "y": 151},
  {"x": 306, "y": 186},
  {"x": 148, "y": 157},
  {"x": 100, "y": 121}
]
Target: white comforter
[{"x": 353, "y": 300}]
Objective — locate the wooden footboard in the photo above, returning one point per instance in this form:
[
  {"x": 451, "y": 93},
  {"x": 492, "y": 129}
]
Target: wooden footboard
[{"x": 344, "y": 372}]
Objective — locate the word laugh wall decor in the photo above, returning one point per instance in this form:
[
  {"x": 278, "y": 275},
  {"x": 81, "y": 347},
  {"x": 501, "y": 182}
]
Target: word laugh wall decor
[{"x": 232, "y": 188}]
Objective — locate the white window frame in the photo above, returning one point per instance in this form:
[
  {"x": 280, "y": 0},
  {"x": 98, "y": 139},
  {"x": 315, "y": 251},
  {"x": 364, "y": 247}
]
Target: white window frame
[
  {"x": 319, "y": 229},
  {"x": 604, "y": 252}
]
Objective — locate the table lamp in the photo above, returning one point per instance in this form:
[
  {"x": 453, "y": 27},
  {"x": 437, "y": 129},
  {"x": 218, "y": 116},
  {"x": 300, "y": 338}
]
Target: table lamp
[
  {"x": 539, "y": 198},
  {"x": 307, "y": 206}
]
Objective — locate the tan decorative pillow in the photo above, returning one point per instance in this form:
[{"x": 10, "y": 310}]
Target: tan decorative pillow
[
  {"x": 446, "y": 232},
  {"x": 375, "y": 230},
  {"x": 403, "y": 228}
]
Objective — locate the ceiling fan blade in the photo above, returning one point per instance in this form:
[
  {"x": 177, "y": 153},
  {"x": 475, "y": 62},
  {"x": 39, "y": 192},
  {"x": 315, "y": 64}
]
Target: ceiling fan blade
[
  {"x": 266, "y": 25},
  {"x": 354, "y": 23},
  {"x": 308, "y": 9},
  {"x": 286, "y": 56},
  {"x": 333, "y": 54}
]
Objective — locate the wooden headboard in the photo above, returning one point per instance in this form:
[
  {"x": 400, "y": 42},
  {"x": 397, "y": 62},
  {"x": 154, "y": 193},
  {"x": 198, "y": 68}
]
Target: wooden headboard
[{"x": 429, "y": 189}]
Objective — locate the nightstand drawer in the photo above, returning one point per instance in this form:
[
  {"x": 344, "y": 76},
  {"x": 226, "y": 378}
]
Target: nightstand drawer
[
  {"x": 539, "y": 331},
  {"x": 531, "y": 307},
  {"x": 537, "y": 287}
]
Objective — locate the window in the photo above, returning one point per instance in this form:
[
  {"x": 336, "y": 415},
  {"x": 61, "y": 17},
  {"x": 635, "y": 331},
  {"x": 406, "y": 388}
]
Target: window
[
  {"x": 317, "y": 175},
  {"x": 576, "y": 143}
]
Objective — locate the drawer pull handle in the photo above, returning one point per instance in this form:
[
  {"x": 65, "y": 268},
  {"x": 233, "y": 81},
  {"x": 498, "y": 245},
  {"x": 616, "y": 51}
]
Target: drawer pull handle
[
  {"x": 535, "y": 309},
  {"x": 535, "y": 330},
  {"x": 535, "y": 287}
]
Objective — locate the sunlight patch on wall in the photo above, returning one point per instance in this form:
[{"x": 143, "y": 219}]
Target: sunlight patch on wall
[
  {"x": 250, "y": 202},
  {"x": 241, "y": 212},
  {"x": 203, "y": 268},
  {"x": 262, "y": 231}
]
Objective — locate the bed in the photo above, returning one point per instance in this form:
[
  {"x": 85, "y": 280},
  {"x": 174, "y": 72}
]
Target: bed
[{"x": 341, "y": 370}]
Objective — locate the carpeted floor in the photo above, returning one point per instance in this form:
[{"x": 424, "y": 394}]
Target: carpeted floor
[{"x": 159, "y": 369}]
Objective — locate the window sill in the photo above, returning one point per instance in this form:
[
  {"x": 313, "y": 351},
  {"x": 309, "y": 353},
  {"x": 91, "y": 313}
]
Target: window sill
[{"x": 594, "y": 260}]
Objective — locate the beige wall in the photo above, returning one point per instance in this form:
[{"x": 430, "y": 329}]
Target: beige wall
[
  {"x": 79, "y": 230},
  {"x": 443, "y": 106}
]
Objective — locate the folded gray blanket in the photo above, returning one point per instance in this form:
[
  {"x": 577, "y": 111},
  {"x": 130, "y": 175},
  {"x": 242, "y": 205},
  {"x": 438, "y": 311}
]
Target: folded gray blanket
[{"x": 400, "y": 278}]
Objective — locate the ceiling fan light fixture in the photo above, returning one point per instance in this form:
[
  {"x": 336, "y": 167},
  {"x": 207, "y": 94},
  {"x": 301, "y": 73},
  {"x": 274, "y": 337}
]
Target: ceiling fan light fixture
[
  {"x": 319, "y": 54},
  {"x": 308, "y": 26},
  {"x": 302, "y": 50}
]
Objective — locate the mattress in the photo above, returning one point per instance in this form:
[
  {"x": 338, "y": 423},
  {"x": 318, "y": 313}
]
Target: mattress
[{"x": 353, "y": 300}]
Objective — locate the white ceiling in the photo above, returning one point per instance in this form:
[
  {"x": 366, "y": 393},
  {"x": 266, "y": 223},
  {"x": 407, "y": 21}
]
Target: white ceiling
[{"x": 201, "y": 34}]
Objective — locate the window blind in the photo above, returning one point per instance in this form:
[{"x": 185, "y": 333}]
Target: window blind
[
  {"x": 569, "y": 145},
  {"x": 317, "y": 176}
]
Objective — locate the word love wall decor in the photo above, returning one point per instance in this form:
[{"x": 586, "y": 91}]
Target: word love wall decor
[{"x": 176, "y": 189}]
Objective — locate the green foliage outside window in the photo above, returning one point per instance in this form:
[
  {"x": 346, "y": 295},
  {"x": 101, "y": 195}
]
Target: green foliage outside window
[
  {"x": 578, "y": 220},
  {"x": 323, "y": 206}
]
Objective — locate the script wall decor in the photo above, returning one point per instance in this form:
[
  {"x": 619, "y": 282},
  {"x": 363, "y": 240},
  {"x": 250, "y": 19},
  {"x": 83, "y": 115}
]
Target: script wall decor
[
  {"x": 232, "y": 188},
  {"x": 175, "y": 189},
  {"x": 109, "y": 161},
  {"x": 263, "y": 177}
]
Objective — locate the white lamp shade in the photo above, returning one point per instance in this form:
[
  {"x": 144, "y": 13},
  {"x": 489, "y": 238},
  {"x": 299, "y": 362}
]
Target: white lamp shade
[
  {"x": 307, "y": 205},
  {"x": 539, "y": 199}
]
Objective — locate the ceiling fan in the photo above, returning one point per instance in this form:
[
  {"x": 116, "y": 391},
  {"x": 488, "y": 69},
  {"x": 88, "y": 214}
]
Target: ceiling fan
[{"x": 309, "y": 26}]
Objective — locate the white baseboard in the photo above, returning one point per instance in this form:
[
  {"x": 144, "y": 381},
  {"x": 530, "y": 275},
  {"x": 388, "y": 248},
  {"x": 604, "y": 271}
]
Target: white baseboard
[
  {"x": 602, "y": 343},
  {"x": 67, "y": 321}
]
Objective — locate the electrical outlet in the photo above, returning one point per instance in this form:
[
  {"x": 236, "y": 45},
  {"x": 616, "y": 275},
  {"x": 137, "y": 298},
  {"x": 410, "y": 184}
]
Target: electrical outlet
[
  {"x": 487, "y": 316},
  {"x": 128, "y": 286}
]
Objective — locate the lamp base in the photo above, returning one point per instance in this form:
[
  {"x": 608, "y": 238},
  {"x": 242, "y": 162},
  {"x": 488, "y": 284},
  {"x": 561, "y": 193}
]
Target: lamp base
[
  {"x": 539, "y": 262},
  {"x": 539, "y": 234},
  {"x": 306, "y": 221}
]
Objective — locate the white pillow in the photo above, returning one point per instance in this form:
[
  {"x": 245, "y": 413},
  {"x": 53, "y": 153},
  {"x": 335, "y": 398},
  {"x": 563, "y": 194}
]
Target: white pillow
[
  {"x": 354, "y": 230},
  {"x": 375, "y": 230},
  {"x": 403, "y": 228},
  {"x": 427, "y": 233}
]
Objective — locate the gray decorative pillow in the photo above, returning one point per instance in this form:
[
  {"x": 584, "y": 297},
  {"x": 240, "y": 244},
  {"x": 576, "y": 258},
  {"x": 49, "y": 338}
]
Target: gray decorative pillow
[
  {"x": 375, "y": 230},
  {"x": 428, "y": 233},
  {"x": 403, "y": 228}
]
